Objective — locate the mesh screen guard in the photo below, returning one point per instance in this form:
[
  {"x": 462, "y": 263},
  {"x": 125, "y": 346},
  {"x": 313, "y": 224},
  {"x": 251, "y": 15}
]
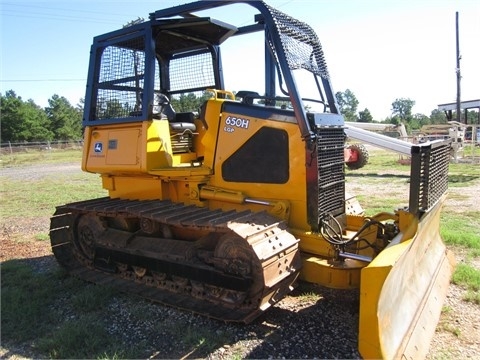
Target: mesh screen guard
[
  {"x": 192, "y": 72},
  {"x": 429, "y": 175},
  {"x": 300, "y": 43},
  {"x": 120, "y": 87},
  {"x": 120, "y": 80}
]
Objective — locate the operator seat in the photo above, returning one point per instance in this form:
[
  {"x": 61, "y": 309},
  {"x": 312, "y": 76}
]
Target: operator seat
[
  {"x": 182, "y": 126},
  {"x": 163, "y": 103},
  {"x": 178, "y": 121},
  {"x": 247, "y": 96}
]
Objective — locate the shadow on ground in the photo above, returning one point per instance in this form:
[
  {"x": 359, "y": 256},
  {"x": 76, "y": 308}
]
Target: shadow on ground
[{"x": 68, "y": 318}]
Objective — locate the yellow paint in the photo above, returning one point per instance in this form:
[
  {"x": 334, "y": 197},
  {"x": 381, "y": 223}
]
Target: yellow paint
[
  {"x": 134, "y": 187},
  {"x": 313, "y": 243},
  {"x": 212, "y": 120},
  {"x": 399, "y": 290},
  {"x": 333, "y": 274},
  {"x": 127, "y": 148},
  {"x": 294, "y": 190}
]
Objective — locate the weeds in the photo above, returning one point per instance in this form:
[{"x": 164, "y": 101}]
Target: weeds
[
  {"x": 91, "y": 298},
  {"x": 452, "y": 329},
  {"x": 446, "y": 309},
  {"x": 44, "y": 157},
  {"x": 60, "y": 315},
  {"x": 309, "y": 296},
  {"x": 76, "y": 339},
  {"x": 23, "y": 315},
  {"x": 461, "y": 229},
  {"x": 467, "y": 276},
  {"x": 48, "y": 192},
  {"x": 472, "y": 296}
]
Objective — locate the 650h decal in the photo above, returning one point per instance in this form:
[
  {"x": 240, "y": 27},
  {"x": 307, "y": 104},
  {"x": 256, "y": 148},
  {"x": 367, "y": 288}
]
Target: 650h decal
[{"x": 232, "y": 122}]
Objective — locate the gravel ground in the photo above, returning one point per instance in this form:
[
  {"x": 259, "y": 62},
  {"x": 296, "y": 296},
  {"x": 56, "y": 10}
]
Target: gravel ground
[{"x": 312, "y": 322}]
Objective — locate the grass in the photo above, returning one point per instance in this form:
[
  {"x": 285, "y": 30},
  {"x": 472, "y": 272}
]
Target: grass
[
  {"x": 469, "y": 278},
  {"x": 65, "y": 318},
  {"x": 42, "y": 237},
  {"x": 472, "y": 296},
  {"x": 51, "y": 191},
  {"x": 382, "y": 161},
  {"x": 372, "y": 206},
  {"x": 459, "y": 180},
  {"x": 461, "y": 229},
  {"x": 19, "y": 309},
  {"x": 38, "y": 197},
  {"x": 309, "y": 296},
  {"x": 76, "y": 339},
  {"x": 91, "y": 298},
  {"x": 471, "y": 150},
  {"x": 451, "y": 329},
  {"x": 53, "y": 156},
  {"x": 30, "y": 301},
  {"x": 196, "y": 339}
]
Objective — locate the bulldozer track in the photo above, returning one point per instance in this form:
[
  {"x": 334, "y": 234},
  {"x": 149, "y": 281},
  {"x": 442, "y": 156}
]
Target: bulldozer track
[{"x": 227, "y": 265}]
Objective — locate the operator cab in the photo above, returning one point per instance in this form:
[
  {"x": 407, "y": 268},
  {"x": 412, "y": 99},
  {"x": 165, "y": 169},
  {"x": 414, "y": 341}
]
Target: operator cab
[{"x": 131, "y": 81}]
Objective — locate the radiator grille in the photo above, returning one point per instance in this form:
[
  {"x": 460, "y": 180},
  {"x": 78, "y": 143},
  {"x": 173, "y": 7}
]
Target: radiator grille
[
  {"x": 331, "y": 171},
  {"x": 429, "y": 175}
]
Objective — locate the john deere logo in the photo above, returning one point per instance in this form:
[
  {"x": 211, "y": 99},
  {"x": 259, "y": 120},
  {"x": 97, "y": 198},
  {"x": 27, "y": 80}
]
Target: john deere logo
[{"x": 98, "y": 148}]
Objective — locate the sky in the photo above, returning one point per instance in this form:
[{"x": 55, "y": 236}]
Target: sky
[{"x": 380, "y": 50}]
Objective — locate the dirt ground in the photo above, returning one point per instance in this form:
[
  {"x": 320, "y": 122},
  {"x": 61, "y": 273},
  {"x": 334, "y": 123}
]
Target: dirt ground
[{"x": 458, "y": 331}]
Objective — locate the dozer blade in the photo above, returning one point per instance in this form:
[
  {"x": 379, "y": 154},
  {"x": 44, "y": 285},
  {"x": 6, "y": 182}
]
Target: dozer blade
[{"x": 402, "y": 292}]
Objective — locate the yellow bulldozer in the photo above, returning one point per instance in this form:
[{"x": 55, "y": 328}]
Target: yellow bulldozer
[{"x": 220, "y": 202}]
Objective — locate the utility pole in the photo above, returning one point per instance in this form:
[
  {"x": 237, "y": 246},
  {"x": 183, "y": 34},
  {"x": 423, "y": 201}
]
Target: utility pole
[{"x": 459, "y": 111}]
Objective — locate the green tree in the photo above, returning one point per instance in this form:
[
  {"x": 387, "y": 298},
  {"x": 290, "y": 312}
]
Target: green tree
[
  {"x": 438, "y": 117},
  {"x": 114, "y": 109},
  {"x": 348, "y": 104},
  {"x": 365, "y": 116},
  {"x": 392, "y": 120},
  {"x": 403, "y": 109},
  {"x": 66, "y": 121},
  {"x": 36, "y": 123},
  {"x": 11, "y": 121},
  {"x": 419, "y": 120},
  {"x": 80, "y": 106},
  {"x": 109, "y": 109},
  {"x": 189, "y": 102},
  {"x": 23, "y": 121},
  {"x": 473, "y": 117}
]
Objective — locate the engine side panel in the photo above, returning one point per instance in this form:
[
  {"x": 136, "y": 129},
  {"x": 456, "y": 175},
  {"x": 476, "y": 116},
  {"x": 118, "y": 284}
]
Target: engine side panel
[{"x": 260, "y": 153}]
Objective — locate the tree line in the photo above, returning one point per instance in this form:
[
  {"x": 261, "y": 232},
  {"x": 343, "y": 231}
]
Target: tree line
[
  {"x": 60, "y": 120},
  {"x": 402, "y": 112},
  {"x": 26, "y": 121}
]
